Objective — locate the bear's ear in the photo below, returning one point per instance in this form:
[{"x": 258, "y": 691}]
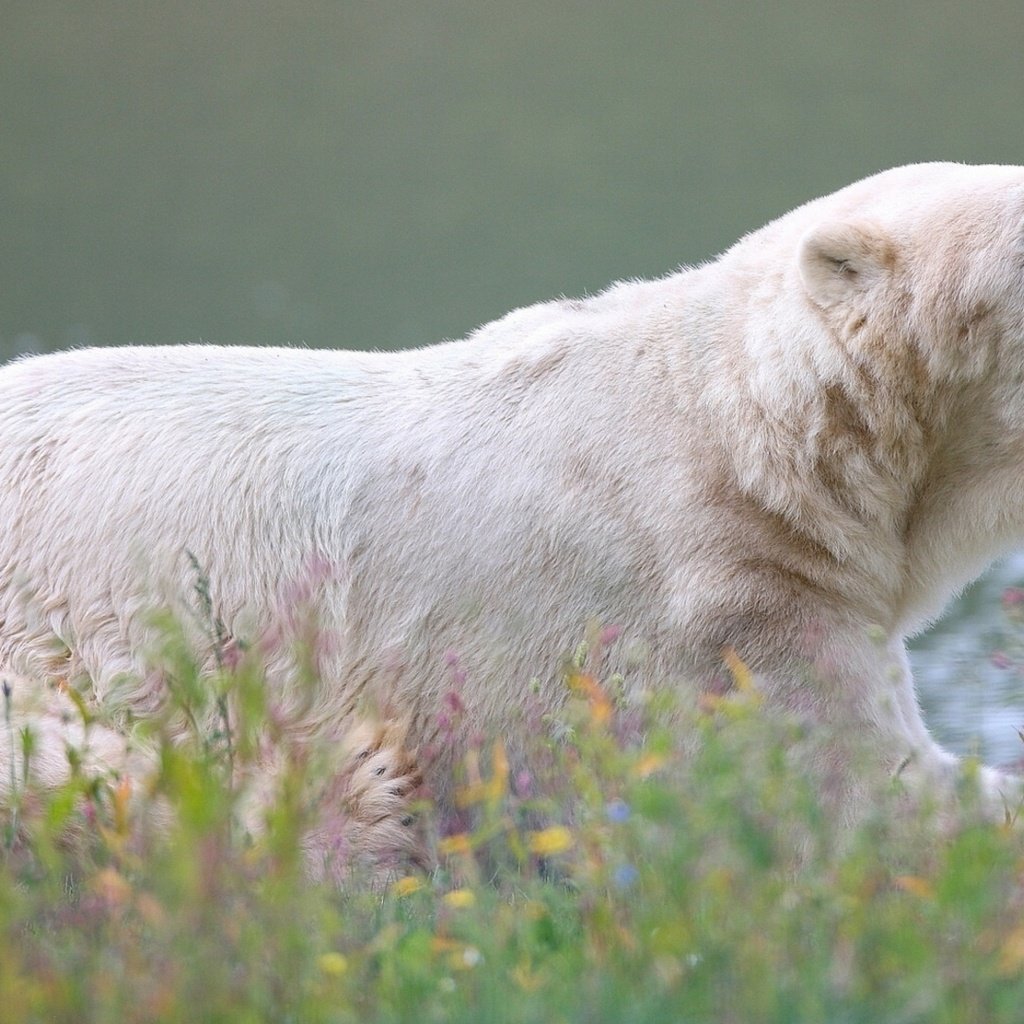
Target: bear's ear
[{"x": 840, "y": 260}]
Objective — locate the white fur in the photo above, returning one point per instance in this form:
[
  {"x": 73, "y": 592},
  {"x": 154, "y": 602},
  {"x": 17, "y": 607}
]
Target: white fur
[{"x": 799, "y": 450}]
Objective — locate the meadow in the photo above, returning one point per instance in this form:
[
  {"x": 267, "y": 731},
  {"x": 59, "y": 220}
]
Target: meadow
[{"x": 635, "y": 872}]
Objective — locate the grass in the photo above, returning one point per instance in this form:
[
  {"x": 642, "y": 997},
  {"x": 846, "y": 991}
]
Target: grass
[{"x": 623, "y": 880}]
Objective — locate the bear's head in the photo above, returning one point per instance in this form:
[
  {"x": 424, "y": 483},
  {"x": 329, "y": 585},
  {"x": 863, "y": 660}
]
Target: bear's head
[
  {"x": 924, "y": 265},
  {"x": 885, "y": 343}
]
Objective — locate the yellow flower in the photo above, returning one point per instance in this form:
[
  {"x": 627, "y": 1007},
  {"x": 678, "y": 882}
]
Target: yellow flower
[
  {"x": 407, "y": 886},
  {"x": 494, "y": 788},
  {"x": 648, "y": 765},
  {"x": 741, "y": 675},
  {"x": 587, "y": 686},
  {"x": 460, "y": 898},
  {"x": 333, "y": 964},
  {"x": 556, "y": 839},
  {"x": 458, "y": 843},
  {"x": 916, "y": 886}
]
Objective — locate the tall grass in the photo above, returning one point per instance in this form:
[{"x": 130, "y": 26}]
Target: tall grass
[{"x": 622, "y": 875}]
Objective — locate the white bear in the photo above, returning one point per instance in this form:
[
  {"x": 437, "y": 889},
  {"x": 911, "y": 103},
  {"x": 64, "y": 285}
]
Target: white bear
[{"x": 798, "y": 452}]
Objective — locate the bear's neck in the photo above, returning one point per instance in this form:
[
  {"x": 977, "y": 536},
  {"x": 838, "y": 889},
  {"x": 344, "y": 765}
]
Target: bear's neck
[
  {"x": 841, "y": 454},
  {"x": 967, "y": 508}
]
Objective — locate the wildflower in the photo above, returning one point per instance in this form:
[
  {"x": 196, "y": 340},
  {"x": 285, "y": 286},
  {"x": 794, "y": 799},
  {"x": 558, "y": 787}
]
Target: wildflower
[
  {"x": 333, "y": 964},
  {"x": 741, "y": 674},
  {"x": 916, "y": 886},
  {"x": 492, "y": 790},
  {"x": 407, "y": 886},
  {"x": 624, "y": 876},
  {"x": 454, "y": 702},
  {"x": 579, "y": 656},
  {"x": 456, "y": 844},
  {"x": 460, "y": 898},
  {"x": 609, "y": 635},
  {"x": 617, "y": 811},
  {"x": 556, "y": 839},
  {"x": 648, "y": 765},
  {"x": 591, "y": 689}
]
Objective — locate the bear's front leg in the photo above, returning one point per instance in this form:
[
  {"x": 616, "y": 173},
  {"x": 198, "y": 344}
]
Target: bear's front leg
[{"x": 866, "y": 732}]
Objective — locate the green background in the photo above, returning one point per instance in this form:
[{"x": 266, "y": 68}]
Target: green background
[{"x": 388, "y": 174}]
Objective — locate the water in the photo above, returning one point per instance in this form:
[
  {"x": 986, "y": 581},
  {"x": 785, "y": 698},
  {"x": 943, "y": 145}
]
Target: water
[{"x": 967, "y": 673}]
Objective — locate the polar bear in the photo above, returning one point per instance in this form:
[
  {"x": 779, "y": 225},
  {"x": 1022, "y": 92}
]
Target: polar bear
[{"x": 796, "y": 452}]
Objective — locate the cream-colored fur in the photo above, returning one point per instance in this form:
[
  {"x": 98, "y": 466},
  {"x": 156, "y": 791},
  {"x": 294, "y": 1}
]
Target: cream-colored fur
[
  {"x": 56, "y": 726},
  {"x": 368, "y": 812},
  {"x": 799, "y": 450},
  {"x": 365, "y": 813}
]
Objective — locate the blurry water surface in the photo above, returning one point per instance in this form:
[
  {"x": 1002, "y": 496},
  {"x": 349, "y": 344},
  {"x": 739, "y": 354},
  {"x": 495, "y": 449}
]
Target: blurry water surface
[{"x": 970, "y": 669}]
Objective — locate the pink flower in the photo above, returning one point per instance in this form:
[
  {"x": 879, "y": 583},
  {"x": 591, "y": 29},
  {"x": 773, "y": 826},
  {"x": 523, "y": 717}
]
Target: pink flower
[
  {"x": 1000, "y": 659},
  {"x": 609, "y": 635}
]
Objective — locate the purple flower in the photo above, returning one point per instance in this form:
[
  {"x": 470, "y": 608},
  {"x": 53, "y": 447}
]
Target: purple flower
[{"x": 454, "y": 702}]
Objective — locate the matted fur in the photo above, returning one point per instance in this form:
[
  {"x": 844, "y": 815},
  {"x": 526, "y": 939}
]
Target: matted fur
[{"x": 799, "y": 450}]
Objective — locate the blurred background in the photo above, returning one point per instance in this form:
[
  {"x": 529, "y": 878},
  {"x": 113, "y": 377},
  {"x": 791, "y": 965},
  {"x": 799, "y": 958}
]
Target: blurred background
[{"x": 388, "y": 174}]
